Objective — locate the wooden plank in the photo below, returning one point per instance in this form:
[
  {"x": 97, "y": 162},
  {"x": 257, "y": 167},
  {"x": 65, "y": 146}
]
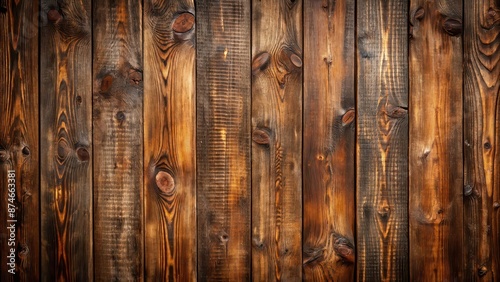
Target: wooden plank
[
  {"x": 435, "y": 155},
  {"x": 117, "y": 139},
  {"x": 329, "y": 141},
  {"x": 482, "y": 140},
  {"x": 169, "y": 141},
  {"x": 19, "y": 153},
  {"x": 382, "y": 141},
  {"x": 66, "y": 124},
  {"x": 223, "y": 139},
  {"x": 277, "y": 140}
]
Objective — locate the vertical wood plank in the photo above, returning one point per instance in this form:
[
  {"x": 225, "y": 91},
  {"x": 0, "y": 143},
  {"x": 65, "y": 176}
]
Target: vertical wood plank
[
  {"x": 223, "y": 139},
  {"x": 19, "y": 153},
  {"x": 382, "y": 141},
  {"x": 117, "y": 139},
  {"x": 66, "y": 140},
  {"x": 482, "y": 140},
  {"x": 329, "y": 141},
  {"x": 169, "y": 141},
  {"x": 277, "y": 140},
  {"x": 435, "y": 155}
]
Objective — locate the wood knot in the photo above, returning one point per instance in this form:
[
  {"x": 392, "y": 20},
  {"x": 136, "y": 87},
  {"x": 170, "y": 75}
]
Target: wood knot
[
  {"x": 165, "y": 182},
  {"x": 296, "y": 60},
  {"x": 120, "y": 116},
  {"x": 4, "y": 155},
  {"x": 54, "y": 16},
  {"x": 224, "y": 238},
  {"x": 134, "y": 76},
  {"x": 496, "y": 205},
  {"x": 344, "y": 249},
  {"x": 396, "y": 112},
  {"x": 183, "y": 23},
  {"x": 83, "y": 154},
  {"x": 261, "y": 136},
  {"x": 384, "y": 211},
  {"x": 26, "y": 151},
  {"x": 453, "y": 27},
  {"x": 260, "y": 62},
  {"x": 482, "y": 271},
  {"x": 106, "y": 83},
  {"x": 24, "y": 251},
  {"x": 487, "y": 146},
  {"x": 257, "y": 243},
  {"x": 348, "y": 117},
  {"x": 419, "y": 14},
  {"x": 468, "y": 190},
  {"x": 78, "y": 100}
]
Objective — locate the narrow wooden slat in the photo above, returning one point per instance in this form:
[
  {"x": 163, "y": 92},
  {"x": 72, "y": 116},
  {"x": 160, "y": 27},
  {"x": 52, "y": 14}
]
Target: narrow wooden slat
[
  {"x": 277, "y": 140},
  {"x": 435, "y": 155},
  {"x": 382, "y": 141},
  {"x": 19, "y": 153},
  {"x": 482, "y": 140},
  {"x": 329, "y": 141},
  {"x": 65, "y": 126},
  {"x": 169, "y": 141},
  {"x": 223, "y": 139},
  {"x": 117, "y": 139}
]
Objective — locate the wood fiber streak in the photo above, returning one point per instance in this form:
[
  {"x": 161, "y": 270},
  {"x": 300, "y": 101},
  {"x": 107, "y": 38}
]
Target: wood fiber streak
[
  {"x": 276, "y": 166},
  {"x": 329, "y": 141},
  {"x": 382, "y": 141},
  {"x": 66, "y": 124},
  {"x": 223, "y": 139},
  {"x": 117, "y": 138},
  {"x": 169, "y": 143},
  {"x": 435, "y": 155},
  {"x": 482, "y": 140},
  {"x": 19, "y": 137}
]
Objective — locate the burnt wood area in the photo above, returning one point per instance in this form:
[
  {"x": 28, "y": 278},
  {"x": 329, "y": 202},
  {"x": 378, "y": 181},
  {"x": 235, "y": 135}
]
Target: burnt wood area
[{"x": 262, "y": 140}]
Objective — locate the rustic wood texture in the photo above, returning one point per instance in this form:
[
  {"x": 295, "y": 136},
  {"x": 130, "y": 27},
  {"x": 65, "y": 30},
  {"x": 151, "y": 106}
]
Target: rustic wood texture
[
  {"x": 435, "y": 155},
  {"x": 117, "y": 138},
  {"x": 329, "y": 141},
  {"x": 19, "y": 137},
  {"x": 66, "y": 141},
  {"x": 169, "y": 141},
  {"x": 223, "y": 139},
  {"x": 277, "y": 140},
  {"x": 382, "y": 141},
  {"x": 482, "y": 140}
]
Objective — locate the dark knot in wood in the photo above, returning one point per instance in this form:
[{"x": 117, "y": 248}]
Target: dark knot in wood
[
  {"x": 487, "y": 145},
  {"x": 482, "y": 271},
  {"x": 26, "y": 151},
  {"x": 496, "y": 205},
  {"x": 261, "y": 136},
  {"x": 468, "y": 190},
  {"x": 106, "y": 83},
  {"x": 183, "y": 23},
  {"x": 396, "y": 112},
  {"x": 348, "y": 117},
  {"x": 344, "y": 249},
  {"x": 296, "y": 60},
  {"x": 134, "y": 76},
  {"x": 54, "y": 16},
  {"x": 260, "y": 62},
  {"x": 120, "y": 116},
  {"x": 165, "y": 182},
  {"x": 419, "y": 14},
  {"x": 453, "y": 27},
  {"x": 83, "y": 154}
]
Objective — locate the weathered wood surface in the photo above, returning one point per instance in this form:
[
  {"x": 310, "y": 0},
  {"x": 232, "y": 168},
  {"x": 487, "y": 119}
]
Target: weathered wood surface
[
  {"x": 223, "y": 139},
  {"x": 19, "y": 148},
  {"x": 435, "y": 155},
  {"x": 382, "y": 141},
  {"x": 66, "y": 141},
  {"x": 169, "y": 141},
  {"x": 117, "y": 139},
  {"x": 276, "y": 140},
  {"x": 482, "y": 140},
  {"x": 329, "y": 141}
]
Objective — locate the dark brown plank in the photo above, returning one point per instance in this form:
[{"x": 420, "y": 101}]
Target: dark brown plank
[
  {"x": 65, "y": 125},
  {"x": 482, "y": 140},
  {"x": 19, "y": 153},
  {"x": 329, "y": 141},
  {"x": 169, "y": 141},
  {"x": 435, "y": 155},
  {"x": 117, "y": 139},
  {"x": 223, "y": 139},
  {"x": 382, "y": 141},
  {"x": 277, "y": 140}
]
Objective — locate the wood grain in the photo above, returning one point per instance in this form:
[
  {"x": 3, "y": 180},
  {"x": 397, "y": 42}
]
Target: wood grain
[
  {"x": 435, "y": 155},
  {"x": 169, "y": 141},
  {"x": 223, "y": 139},
  {"x": 277, "y": 163},
  {"x": 329, "y": 141},
  {"x": 382, "y": 141},
  {"x": 117, "y": 138},
  {"x": 66, "y": 142},
  {"x": 19, "y": 137},
  {"x": 482, "y": 140}
]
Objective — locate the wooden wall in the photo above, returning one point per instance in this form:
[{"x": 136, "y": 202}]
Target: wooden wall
[{"x": 264, "y": 140}]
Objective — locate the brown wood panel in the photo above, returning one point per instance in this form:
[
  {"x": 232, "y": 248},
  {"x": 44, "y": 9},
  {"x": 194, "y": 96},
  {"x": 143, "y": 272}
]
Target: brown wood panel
[
  {"x": 329, "y": 141},
  {"x": 118, "y": 140},
  {"x": 19, "y": 153},
  {"x": 169, "y": 141},
  {"x": 223, "y": 139},
  {"x": 482, "y": 140},
  {"x": 382, "y": 141},
  {"x": 435, "y": 155},
  {"x": 277, "y": 140},
  {"x": 66, "y": 141}
]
